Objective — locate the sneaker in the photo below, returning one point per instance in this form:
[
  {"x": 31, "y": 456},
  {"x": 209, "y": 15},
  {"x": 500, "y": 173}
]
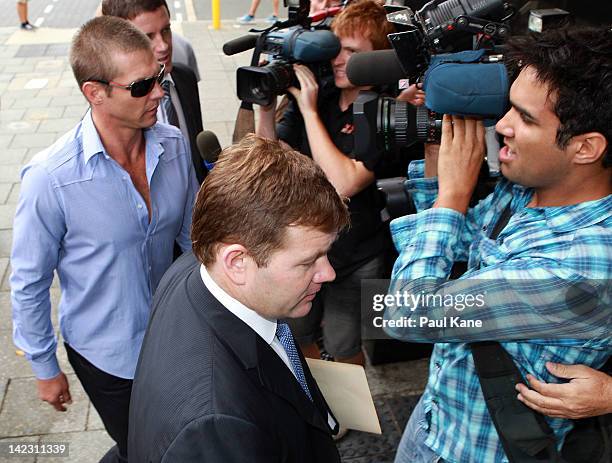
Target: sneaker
[
  {"x": 246, "y": 19},
  {"x": 26, "y": 26},
  {"x": 271, "y": 19}
]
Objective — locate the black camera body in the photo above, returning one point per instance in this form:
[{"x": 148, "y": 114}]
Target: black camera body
[
  {"x": 286, "y": 46},
  {"x": 439, "y": 29},
  {"x": 444, "y": 27}
]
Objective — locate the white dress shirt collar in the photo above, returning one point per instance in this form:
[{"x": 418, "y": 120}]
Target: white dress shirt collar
[{"x": 265, "y": 328}]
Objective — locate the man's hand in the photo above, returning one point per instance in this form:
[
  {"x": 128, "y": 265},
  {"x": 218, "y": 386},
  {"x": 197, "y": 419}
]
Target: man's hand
[
  {"x": 55, "y": 391},
  {"x": 306, "y": 95},
  {"x": 589, "y": 393},
  {"x": 462, "y": 151},
  {"x": 431, "y": 152},
  {"x": 413, "y": 95}
]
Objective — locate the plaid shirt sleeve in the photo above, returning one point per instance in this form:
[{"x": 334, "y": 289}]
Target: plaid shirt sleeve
[
  {"x": 512, "y": 299},
  {"x": 423, "y": 190}
]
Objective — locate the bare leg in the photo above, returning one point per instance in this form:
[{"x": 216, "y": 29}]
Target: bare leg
[
  {"x": 254, "y": 6},
  {"x": 22, "y": 11},
  {"x": 275, "y": 7}
]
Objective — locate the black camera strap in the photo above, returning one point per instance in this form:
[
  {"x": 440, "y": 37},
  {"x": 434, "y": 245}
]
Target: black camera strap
[{"x": 524, "y": 434}]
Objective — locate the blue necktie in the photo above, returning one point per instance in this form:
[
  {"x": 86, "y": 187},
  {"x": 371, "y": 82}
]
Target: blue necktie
[
  {"x": 283, "y": 333},
  {"x": 171, "y": 115}
]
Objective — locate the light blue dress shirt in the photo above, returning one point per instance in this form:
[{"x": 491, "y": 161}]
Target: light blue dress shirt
[{"x": 79, "y": 214}]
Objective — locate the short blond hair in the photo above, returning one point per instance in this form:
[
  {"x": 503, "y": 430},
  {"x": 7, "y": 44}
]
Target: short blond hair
[
  {"x": 93, "y": 47},
  {"x": 256, "y": 190}
]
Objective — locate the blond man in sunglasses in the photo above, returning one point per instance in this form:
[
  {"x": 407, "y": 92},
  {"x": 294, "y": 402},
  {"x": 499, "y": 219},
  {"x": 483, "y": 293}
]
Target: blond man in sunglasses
[{"x": 102, "y": 207}]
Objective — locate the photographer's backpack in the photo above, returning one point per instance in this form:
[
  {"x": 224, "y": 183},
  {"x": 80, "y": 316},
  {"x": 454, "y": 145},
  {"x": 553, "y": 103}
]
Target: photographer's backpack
[{"x": 525, "y": 435}]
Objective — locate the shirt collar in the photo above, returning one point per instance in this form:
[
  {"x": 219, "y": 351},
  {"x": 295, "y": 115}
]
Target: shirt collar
[
  {"x": 265, "y": 328},
  {"x": 92, "y": 144},
  {"x": 168, "y": 78},
  {"x": 576, "y": 216},
  {"x": 563, "y": 219}
]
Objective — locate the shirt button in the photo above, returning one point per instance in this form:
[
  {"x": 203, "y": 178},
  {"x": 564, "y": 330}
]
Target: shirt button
[
  {"x": 140, "y": 206},
  {"x": 124, "y": 178}
]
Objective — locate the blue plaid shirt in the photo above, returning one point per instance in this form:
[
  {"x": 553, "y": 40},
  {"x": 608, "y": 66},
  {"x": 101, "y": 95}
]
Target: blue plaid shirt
[{"x": 570, "y": 243}]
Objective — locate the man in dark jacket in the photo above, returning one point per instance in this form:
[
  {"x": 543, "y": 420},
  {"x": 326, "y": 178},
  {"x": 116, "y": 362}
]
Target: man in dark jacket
[
  {"x": 181, "y": 103},
  {"x": 220, "y": 378}
]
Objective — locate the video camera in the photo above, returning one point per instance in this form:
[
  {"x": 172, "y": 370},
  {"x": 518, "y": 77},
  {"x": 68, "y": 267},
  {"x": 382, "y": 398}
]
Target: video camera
[
  {"x": 296, "y": 40},
  {"x": 425, "y": 49},
  {"x": 443, "y": 27},
  {"x": 434, "y": 47}
]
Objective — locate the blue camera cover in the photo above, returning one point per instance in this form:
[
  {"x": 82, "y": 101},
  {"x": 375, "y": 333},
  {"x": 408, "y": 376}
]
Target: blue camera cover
[{"x": 459, "y": 83}]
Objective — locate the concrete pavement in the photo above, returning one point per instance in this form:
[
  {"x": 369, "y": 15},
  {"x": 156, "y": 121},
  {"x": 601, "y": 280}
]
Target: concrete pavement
[{"x": 39, "y": 101}]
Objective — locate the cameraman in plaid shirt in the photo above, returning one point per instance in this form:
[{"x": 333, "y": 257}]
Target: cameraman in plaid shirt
[{"x": 557, "y": 188}]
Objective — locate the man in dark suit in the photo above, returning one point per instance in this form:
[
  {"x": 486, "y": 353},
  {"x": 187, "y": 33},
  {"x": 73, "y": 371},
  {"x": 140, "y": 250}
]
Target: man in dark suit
[
  {"x": 219, "y": 377},
  {"x": 181, "y": 104}
]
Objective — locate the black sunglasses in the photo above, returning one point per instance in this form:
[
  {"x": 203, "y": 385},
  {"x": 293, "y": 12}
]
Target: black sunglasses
[{"x": 138, "y": 88}]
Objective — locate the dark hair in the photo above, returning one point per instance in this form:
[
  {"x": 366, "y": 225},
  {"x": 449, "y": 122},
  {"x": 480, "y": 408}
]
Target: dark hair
[
  {"x": 576, "y": 64},
  {"x": 95, "y": 44},
  {"x": 129, "y": 9},
  {"x": 257, "y": 189}
]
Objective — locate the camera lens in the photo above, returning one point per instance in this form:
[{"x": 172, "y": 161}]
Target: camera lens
[
  {"x": 428, "y": 125},
  {"x": 260, "y": 85},
  {"x": 399, "y": 124}
]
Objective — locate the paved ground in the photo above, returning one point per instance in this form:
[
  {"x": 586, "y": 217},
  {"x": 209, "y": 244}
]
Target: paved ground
[
  {"x": 39, "y": 101},
  {"x": 71, "y": 13}
]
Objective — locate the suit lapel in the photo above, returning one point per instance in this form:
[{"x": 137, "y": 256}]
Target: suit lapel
[
  {"x": 180, "y": 90},
  {"x": 278, "y": 379}
]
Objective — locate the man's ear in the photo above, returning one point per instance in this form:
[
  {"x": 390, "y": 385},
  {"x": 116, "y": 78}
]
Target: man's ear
[
  {"x": 234, "y": 261},
  {"x": 94, "y": 92},
  {"x": 590, "y": 147}
]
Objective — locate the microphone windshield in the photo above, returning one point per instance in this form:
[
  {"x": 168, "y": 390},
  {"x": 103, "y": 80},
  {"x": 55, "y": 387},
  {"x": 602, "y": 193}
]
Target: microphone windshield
[
  {"x": 377, "y": 67},
  {"x": 244, "y": 43},
  {"x": 209, "y": 147},
  {"x": 312, "y": 46}
]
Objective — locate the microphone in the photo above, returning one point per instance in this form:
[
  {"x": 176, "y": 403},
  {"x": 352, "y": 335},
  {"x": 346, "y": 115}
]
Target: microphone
[
  {"x": 244, "y": 43},
  {"x": 377, "y": 67},
  {"x": 209, "y": 148}
]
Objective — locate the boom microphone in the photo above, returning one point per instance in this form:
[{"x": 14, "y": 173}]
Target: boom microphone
[
  {"x": 377, "y": 67},
  {"x": 244, "y": 43},
  {"x": 209, "y": 148}
]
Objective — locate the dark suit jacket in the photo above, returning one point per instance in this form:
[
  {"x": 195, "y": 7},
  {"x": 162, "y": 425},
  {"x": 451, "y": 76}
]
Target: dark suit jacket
[
  {"x": 209, "y": 389},
  {"x": 187, "y": 89}
]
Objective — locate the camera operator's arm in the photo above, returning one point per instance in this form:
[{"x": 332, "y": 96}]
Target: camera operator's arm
[
  {"x": 413, "y": 95},
  {"x": 347, "y": 175},
  {"x": 266, "y": 124}
]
